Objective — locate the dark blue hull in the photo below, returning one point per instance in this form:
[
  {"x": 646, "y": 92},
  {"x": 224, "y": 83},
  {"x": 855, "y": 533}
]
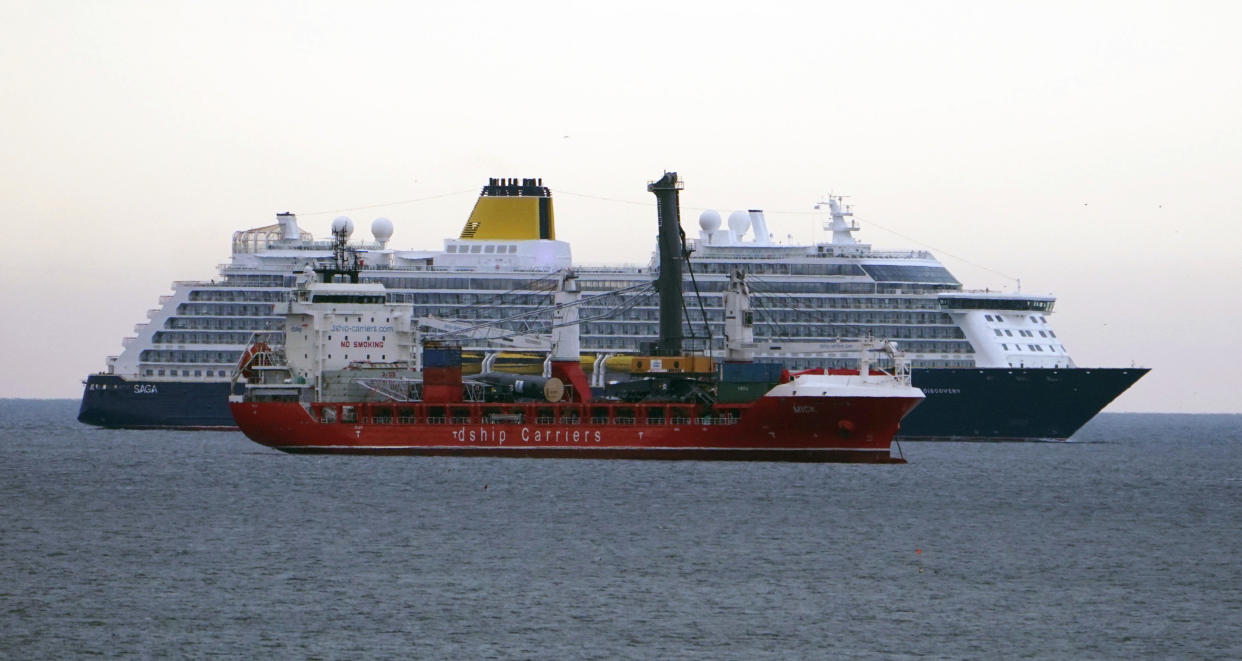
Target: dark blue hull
[
  {"x": 1012, "y": 403},
  {"x": 113, "y": 401},
  {"x": 978, "y": 404}
]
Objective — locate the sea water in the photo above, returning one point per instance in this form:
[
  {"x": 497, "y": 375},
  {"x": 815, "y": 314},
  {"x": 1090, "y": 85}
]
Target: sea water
[{"x": 1126, "y": 543}]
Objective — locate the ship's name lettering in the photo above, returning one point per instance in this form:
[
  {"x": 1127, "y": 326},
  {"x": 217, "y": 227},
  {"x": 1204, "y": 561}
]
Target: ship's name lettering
[
  {"x": 360, "y": 328},
  {"x": 480, "y": 435},
  {"x": 942, "y": 391},
  {"x": 559, "y": 435},
  {"x": 804, "y": 409},
  {"x": 528, "y": 435},
  {"x": 145, "y": 389}
]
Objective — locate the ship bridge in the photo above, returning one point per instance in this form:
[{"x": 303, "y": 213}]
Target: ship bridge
[
  {"x": 1007, "y": 330},
  {"x": 996, "y": 301}
]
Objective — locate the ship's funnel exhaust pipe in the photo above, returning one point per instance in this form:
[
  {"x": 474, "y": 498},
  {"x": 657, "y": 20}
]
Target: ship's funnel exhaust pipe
[
  {"x": 671, "y": 249},
  {"x": 288, "y": 226},
  {"x": 760, "y": 225}
]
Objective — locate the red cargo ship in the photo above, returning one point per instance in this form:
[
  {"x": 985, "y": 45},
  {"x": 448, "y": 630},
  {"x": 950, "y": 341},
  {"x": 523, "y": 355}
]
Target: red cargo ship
[
  {"x": 778, "y": 427},
  {"x": 327, "y": 391}
]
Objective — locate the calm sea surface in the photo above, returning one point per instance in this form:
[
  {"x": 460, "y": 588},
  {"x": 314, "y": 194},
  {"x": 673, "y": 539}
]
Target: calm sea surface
[{"x": 1124, "y": 544}]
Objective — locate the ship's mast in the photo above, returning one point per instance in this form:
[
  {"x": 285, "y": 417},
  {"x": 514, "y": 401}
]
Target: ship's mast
[
  {"x": 739, "y": 322},
  {"x": 842, "y": 230},
  {"x": 344, "y": 258},
  {"x": 566, "y": 345},
  {"x": 669, "y": 282}
]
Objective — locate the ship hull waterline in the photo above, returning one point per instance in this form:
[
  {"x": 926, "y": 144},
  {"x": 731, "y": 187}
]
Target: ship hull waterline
[{"x": 845, "y": 430}]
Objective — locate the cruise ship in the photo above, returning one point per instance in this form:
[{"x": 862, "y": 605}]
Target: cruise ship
[{"x": 990, "y": 364}]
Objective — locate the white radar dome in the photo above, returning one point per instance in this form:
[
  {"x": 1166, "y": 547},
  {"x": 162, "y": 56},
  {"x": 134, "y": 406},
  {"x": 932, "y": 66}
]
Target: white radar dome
[
  {"x": 343, "y": 224},
  {"x": 709, "y": 220},
  {"x": 739, "y": 222},
  {"x": 381, "y": 229}
]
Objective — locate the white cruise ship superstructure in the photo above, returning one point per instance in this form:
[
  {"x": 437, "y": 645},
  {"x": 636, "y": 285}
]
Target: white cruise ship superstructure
[{"x": 990, "y": 363}]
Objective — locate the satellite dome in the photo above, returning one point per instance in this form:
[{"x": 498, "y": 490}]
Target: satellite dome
[
  {"x": 381, "y": 229},
  {"x": 343, "y": 224},
  {"x": 709, "y": 220},
  {"x": 739, "y": 222}
]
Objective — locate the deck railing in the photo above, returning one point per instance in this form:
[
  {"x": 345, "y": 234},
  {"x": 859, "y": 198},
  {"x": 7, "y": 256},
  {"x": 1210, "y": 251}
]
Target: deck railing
[{"x": 543, "y": 414}]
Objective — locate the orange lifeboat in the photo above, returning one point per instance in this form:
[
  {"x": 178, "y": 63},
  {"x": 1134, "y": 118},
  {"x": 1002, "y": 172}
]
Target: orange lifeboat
[{"x": 256, "y": 355}]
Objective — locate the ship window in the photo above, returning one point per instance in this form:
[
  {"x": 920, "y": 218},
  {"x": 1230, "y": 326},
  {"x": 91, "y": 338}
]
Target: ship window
[
  {"x": 149, "y": 371},
  {"x": 160, "y": 372},
  {"x": 198, "y": 372},
  {"x": 1043, "y": 334},
  {"x": 907, "y": 273},
  {"x": 512, "y": 250},
  {"x": 450, "y": 249},
  {"x": 988, "y": 317},
  {"x": 996, "y": 330},
  {"x": 1005, "y": 347},
  {"x": 475, "y": 249},
  {"x": 1052, "y": 334},
  {"x": 1006, "y": 333},
  {"x": 489, "y": 249}
]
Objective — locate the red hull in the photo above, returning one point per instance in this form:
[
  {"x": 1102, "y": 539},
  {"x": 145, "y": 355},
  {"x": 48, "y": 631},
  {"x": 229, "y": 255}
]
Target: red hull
[{"x": 838, "y": 429}]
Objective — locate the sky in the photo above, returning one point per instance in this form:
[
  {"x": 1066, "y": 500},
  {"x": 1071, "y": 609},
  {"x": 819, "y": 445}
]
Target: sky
[{"x": 1091, "y": 150}]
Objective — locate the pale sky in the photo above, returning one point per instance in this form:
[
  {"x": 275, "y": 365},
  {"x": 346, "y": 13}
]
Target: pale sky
[{"x": 1091, "y": 149}]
